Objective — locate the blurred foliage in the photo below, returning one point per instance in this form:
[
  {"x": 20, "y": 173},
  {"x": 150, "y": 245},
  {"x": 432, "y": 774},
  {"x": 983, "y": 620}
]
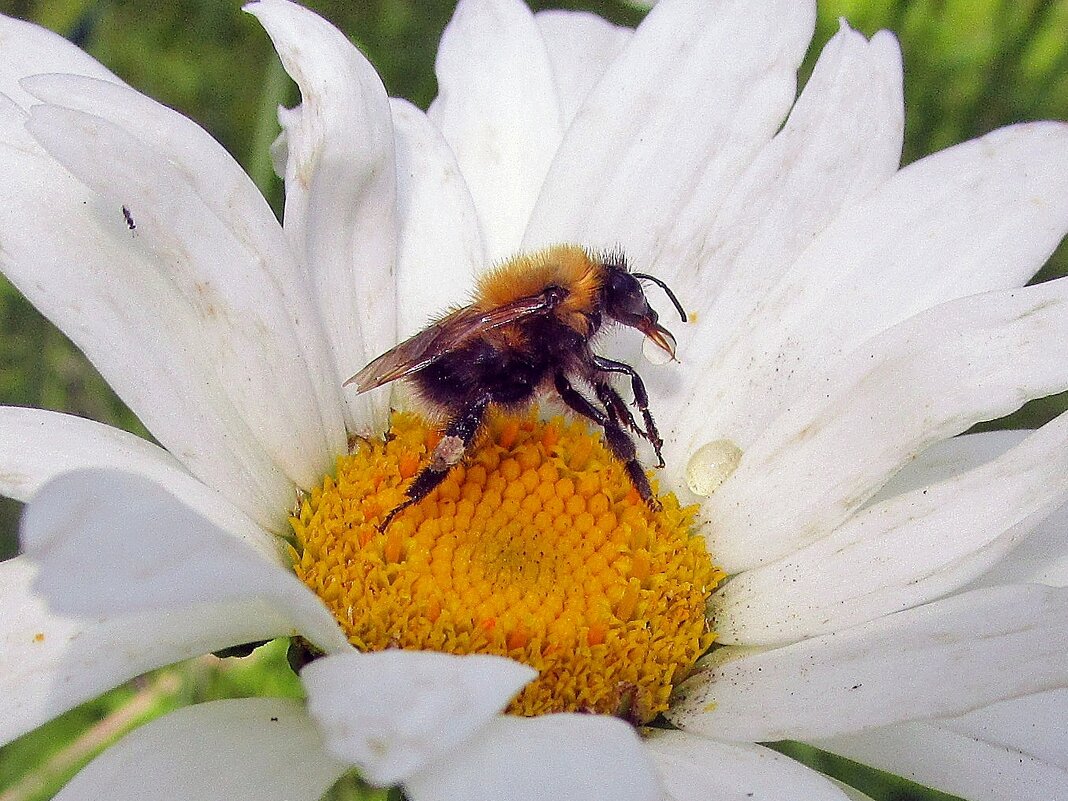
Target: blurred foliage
[{"x": 971, "y": 66}]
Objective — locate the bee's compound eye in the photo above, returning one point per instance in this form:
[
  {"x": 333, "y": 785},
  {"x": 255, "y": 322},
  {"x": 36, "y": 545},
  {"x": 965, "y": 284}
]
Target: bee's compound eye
[
  {"x": 621, "y": 283},
  {"x": 625, "y": 299}
]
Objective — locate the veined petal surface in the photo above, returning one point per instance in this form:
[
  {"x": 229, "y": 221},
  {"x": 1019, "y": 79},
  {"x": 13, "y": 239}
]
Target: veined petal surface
[
  {"x": 1033, "y": 724},
  {"x": 134, "y": 323},
  {"x": 28, "y": 49},
  {"x": 497, "y": 108},
  {"x": 113, "y": 543},
  {"x": 979, "y": 216},
  {"x": 864, "y": 418},
  {"x": 50, "y": 662},
  {"x": 248, "y": 749},
  {"x": 970, "y": 649},
  {"x": 949, "y": 459},
  {"x": 1042, "y": 557},
  {"x": 566, "y": 757},
  {"x": 340, "y": 179},
  {"x": 440, "y": 247},
  {"x": 693, "y": 768},
  {"x": 394, "y": 713},
  {"x": 699, "y": 83},
  {"x": 580, "y": 46},
  {"x": 251, "y": 257},
  {"x": 841, "y": 141},
  {"x": 1010, "y": 751},
  {"x": 37, "y": 445},
  {"x": 902, "y": 552},
  {"x": 120, "y": 577}
]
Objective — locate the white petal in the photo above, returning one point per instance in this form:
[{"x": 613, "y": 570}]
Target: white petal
[
  {"x": 497, "y": 108},
  {"x": 941, "y": 659},
  {"x": 948, "y": 459},
  {"x": 229, "y": 205},
  {"x": 138, "y": 331},
  {"x": 257, "y": 749},
  {"x": 700, "y": 87},
  {"x": 908, "y": 550},
  {"x": 28, "y": 49},
  {"x": 547, "y": 758},
  {"x": 1033, "y": 725},
  {"x": 340, "y": 209},
  {"x": 113, "y": 543},
  {"x": 51, "y": 662},
  {"x": 13, "y": 133},
  {"x": 933, "y": 755},
  {"x": 37, "y": 445},
  {"x": 440, "y": 247},
  {"x": 100, "y": 315},
  {"x": 694, "y": 768},
  {"x": 242, "y": 320},
  {"x": 1042, "y": 558},
  {"x": 841, "y": 141},
  {"x": 852, "y": 428},
  {"x": 580, "y": 46},
  {"x": 212, "y": 174},
  {"x": 983, "y": 215},
  {"x": 393, "y": 713},
  {"x": 151, "y": 321}
]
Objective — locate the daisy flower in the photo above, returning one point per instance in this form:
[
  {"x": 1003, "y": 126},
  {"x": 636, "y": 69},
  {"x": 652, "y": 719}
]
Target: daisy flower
[{"x": 831, "y": 563}]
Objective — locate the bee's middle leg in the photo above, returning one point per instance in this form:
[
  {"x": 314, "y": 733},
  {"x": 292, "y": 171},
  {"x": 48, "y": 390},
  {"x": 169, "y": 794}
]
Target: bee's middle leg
[
  {"x": 641, "y": 399},
  {"x": 459, "y": 434},
  {"x": 619, "y": 443}
]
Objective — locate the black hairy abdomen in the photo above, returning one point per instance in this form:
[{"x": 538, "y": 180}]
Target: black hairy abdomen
[{"x": 509, "y": 376}]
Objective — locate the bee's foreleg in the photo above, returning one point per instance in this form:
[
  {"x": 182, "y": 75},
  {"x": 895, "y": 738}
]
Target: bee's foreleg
[
  {"x": 641, "y": 399},
  {"x": 450, "y": 450},
  {"x": 617, "y": 440}
]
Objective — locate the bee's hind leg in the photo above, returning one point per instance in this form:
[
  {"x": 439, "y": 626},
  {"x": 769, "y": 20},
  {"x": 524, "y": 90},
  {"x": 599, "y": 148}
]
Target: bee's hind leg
[
  {"x": 617, "y": 440},
  {"x": 450, "y": 450}
]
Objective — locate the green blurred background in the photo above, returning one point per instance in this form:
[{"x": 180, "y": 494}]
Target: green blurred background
[{"x": 970, "y": 66}]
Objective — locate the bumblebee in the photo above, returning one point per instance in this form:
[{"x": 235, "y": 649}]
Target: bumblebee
[{"x": 528, "y": 331}]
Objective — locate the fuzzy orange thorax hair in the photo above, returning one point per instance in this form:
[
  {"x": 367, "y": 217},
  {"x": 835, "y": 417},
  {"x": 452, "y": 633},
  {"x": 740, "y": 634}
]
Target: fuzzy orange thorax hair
[{"x": 567, "y": 266}]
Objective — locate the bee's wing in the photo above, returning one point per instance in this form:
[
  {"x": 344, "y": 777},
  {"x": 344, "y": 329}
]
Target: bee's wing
[{"x": 443, "y": 336}]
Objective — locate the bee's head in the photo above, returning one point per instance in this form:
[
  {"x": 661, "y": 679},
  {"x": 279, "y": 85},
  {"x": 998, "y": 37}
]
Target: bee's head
[{"x": 625, "y": 302}]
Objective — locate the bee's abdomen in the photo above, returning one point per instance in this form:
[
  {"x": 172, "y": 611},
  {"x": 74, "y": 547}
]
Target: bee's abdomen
[{"x": 509, "y": 376}]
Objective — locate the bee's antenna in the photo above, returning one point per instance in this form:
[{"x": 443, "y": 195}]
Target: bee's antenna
[{"x": 667, "y": 291}]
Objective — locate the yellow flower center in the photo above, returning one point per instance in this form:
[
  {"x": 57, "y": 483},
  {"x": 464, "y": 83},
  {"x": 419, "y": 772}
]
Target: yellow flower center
[{"x": 536, "y": 547}]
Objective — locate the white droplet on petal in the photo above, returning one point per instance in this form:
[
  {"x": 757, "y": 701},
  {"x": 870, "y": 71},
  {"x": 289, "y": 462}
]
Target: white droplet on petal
[
  {"x": 653, "y": 353},
  {"x": 711, "y": 465}
]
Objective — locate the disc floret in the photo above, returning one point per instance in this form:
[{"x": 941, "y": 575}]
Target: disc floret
[{"x": 537, "y": 548}]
